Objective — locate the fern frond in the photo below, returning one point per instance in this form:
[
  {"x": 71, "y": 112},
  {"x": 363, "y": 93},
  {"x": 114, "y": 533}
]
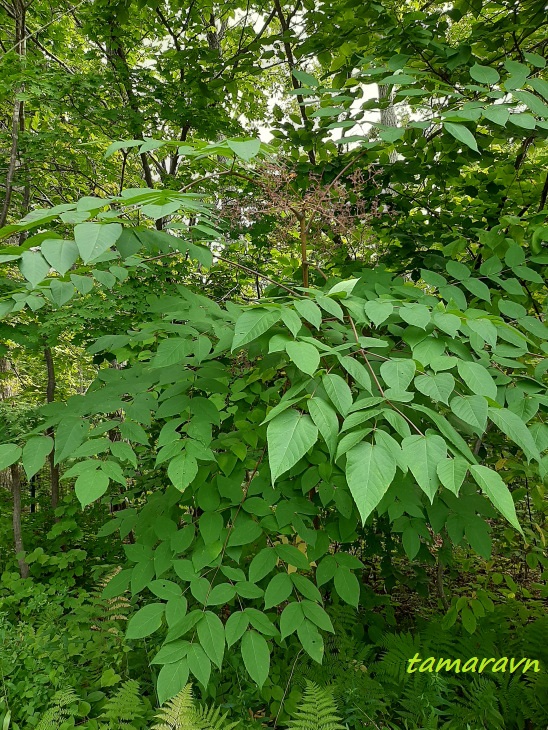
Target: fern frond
[
  {"x": 179, "y": 713},
  {"x": 63, "y": 705},
  {"x": 124, "y": 708},
  {"x": 210, "y": 718},
  {"x": 317, "y": 711}
]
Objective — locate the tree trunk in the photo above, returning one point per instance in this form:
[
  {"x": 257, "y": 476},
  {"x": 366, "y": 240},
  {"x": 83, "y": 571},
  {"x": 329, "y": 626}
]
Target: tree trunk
[
  {"x": 17, "y": 532},
  {"x": 6, "y": 392},
  {"x": 18, "y": 115},
  {"x": 388, "y": 113},
  {"x": 50, "y": 396}
]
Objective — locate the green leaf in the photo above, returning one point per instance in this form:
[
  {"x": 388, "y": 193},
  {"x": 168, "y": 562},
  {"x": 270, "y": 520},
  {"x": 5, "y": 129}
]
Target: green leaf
[
  {"x": 91, "y": 485},
  {"x": 476, "y": 377},
  {"x": 347, "y": 586},
  {"x": 235, "y": 627},
  {"x": 415, "y": 314},
  {"x": 369, "y": 472},
  {"x": 182, "y": 470},
  {"x": 165, "y": 589},
  {"x": 492, "y": 484},
  {"x": 61, "y": 255},
  {"x": 93, "y": 239},
  {"x": 438, "y": 387},
  {"x": 291, "y": 320},
  {"x": 462, "y": 134},
  {"x": 35, "y": 452},
  {"x": 83, "y": 284},
  {"x": 397, "y": 374},
  {"x": 305, "y": 78},
  {"x": 339, "y": 393},
  {"x": 289, "y": 436},
  {"x": 262, "y": 564},
  {"x": 253, "y": 324},
  {"x": 484, "y": 74},
  {"x": 292, "y": 556},
  {"x": 378, "y": 310},
  {"x": 290, "y": 620},
  {"x": 512, "y": 426},
  {"x": 122, "y": 145},
  {"x": 70, "y": 434},
  {"x": 306, "y": 357},
  {"x": 317, "y": 615},
  {"x": 171, "y": 680},
  {"x": 451, "y": 473},
  {"x": 497, "y": 113},
  {"x": 326, "y": 420},
  {"x": 357, "y": 371},
  {"x": 172, "y": 351},
  {"x": 422, "y": 454},
  {"x": 123, "y": 451},
  {"x": 326, "y": 111},
  {"x": 458, "y": 271},
  {"x": 117, "y": 585},
  {"x": 311, "y": 640},
  {"x": 309, "y": 311},
  {"x": 245, "y": 149},
  {"x": 411, "y": 542},
  {"x": 34, "y": 267},
  {"x": 211, "y": 633},
  {"x": 61, "y": 291},
  {"x": 146, "y": 621},
  {"x": 171, "y": 652},
  {"x": 9, "y": 454},
  {"x": 199, "y": 664},
  {"x": 278, "y": 590},
  {"x": 447, "y": 430},
  {"x": 472, "y": 409},
  {"x": 478, "y": 289},
  {"x": 449, "y": 323},
  {"x": 256, "y": 656}
]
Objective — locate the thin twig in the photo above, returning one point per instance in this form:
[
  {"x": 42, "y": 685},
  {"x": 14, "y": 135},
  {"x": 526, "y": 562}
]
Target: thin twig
[{"x": 377, "y": 383}]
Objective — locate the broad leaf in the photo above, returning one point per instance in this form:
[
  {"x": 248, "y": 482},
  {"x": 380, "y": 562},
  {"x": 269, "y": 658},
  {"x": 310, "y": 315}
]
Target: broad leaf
[
  {"x": 422, "y": 454},
  {"x": 256, "y": 656},
  {"x": 305, "y": 356},
  {"x": 61, "y": 255},
  {"x": 289, "y": 437},
  {"x": 338, "y": 391},
  {"x": 492, "y": 484},
  {"x": 146, "y": 621},
  {"x": 9, "y": 454},
  {"x": 369, "y": 472},
  {"x": 91, "y": 485},
  {"x": 93, "y": 239},
  {"x": 512, "y": 426},
  {"x": 472, "y": 409},
  {"x": 476, "y": 377},
  {"x": 253, "y": 324},
  {"x": 326, "y": 420},
  {"x": 462, "y": 134},
  {"x": 34, "y": 267},
  {"x": 451, "y": 473}
]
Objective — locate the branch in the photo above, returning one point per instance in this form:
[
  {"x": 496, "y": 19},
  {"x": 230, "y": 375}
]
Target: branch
[{"x": 232, "y": 263}]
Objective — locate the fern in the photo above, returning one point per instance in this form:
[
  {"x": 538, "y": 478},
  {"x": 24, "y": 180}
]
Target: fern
[
  {"x": 210, "y": 718},
  {"x": 317, "y": 711},
  {"x": 124, "y": 708},
  {"x": 64, "y": 706},
  {"x": 178, "y": 713},
  {"x": 181, "y": 713}
]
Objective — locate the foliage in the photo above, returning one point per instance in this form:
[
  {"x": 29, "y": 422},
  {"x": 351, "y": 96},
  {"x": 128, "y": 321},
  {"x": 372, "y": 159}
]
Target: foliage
[{"x": 260, "y": 391}]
